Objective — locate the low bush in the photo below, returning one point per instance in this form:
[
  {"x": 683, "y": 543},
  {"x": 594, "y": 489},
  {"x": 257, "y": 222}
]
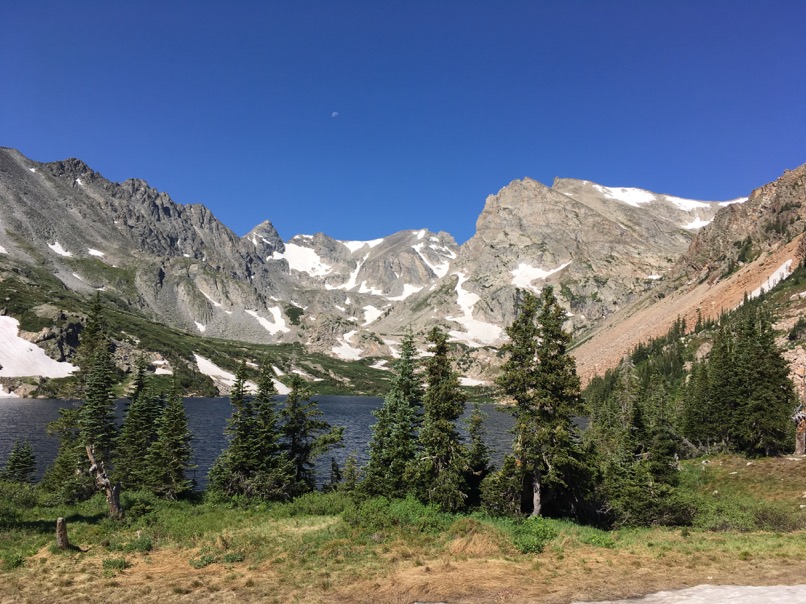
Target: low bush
[{"x": 408, "y": 515}]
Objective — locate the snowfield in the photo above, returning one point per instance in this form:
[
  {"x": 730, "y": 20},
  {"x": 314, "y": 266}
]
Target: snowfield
[
  {"x": 57, "y": 247},
  {"x": 21, "y": 358},
  {"x": 477, "y": 333},
  {"x": 345, "y": 351},
  {"x": 303, "y": 260},
  {"x": 779, "y": 275},
  {"x": 525, "y": 273},
  {"x": 218, "y": 375},
  {"x": 273, "y": 327}
]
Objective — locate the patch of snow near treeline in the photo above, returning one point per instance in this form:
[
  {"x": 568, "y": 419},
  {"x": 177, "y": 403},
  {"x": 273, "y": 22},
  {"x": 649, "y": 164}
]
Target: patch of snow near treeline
[
  {"x": 695, "y": 224},
  {"x": 57, "y": 247},
  {"x": 779, "y": 275},
  {"x": 466, "y": 381},
  {"x": 4, "y": 394},
  {"x": 345, "y": 351},
  {"x": 21, "y": 358},
  {"x": 477, "y": 333},
  {"x": 526, "y": 273},
  {"x": 3, "y": 250},
  {"x": 211, "y": 370},
  {"x": 277, "y": 326},
  {"x": 709, "y": 594}
]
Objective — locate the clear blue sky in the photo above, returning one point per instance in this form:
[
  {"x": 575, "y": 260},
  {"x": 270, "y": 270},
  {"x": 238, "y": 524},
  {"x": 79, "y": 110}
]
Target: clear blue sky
[{"x": 439, "y": 103}]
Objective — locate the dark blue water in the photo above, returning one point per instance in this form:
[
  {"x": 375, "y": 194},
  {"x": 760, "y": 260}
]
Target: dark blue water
[{"x": 26, "y": 419}]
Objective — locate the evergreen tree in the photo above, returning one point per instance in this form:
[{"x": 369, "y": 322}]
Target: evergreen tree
[
  {"x": 67, "y": 479},
  {"x": 170, "y": 456},
  {"x": 21, "y": 463},
  {"x": 232, "y": 470},
  {"x": 394, "y": 439},
  {"x": 438, "y": 472},
  {"x": 478, "y": 456},
  {"x": 274, "y": 476},
  {"x": 540, "y": 376},
  {"x": 305, "y": 434},
  {"x": 137, "y": 435}
]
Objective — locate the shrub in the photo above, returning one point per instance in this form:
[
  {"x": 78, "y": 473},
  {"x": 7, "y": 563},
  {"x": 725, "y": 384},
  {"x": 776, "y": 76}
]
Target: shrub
[
  {"x": 501, "y": 490},
  {"x": 381, "y": 514}
]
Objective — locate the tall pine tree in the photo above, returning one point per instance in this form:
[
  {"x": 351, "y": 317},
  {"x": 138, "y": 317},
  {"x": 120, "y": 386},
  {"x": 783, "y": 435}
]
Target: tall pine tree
[
  {"x": 438, "y": 472},
  {"x": 394, "y": 435}
]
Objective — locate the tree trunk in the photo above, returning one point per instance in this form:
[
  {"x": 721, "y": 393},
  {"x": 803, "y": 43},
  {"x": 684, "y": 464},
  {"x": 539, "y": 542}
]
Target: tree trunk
[
  {"x": 103, "y": 482},
  {"x": 62, "y": 542},
  {"x": 800, "y": 434},
  {"x": 537, "y": 501}
]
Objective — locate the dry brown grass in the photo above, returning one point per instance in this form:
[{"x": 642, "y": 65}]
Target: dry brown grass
[{"x": 473, "y": 568}]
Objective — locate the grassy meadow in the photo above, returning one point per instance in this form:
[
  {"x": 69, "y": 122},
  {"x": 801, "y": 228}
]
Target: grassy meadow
[{"x": 326, "y": 547}]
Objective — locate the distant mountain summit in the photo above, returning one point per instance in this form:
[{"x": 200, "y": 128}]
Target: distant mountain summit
[{"x": 601, "y": 247}]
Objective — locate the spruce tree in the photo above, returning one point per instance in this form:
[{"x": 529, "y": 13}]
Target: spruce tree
[
  {"x": 305, "y": 434},
  {"x": 478, "y": 456},
  {"x": 438, "y": 472},
  {"x": 21, "y": 463},
  {"x": 170, "y": 456},
  {"x": 67, "y": 479},
  {"x": 232, "y": 470},
  {"x": 137, "y": 435},
  {"x": 273, "y": 479},
  {"x": 394, "y": 435},
  {"x": 540, "y": 376}
]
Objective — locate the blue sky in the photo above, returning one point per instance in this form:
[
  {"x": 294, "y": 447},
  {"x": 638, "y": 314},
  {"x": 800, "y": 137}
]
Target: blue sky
[{"x": 440, "y": 103}]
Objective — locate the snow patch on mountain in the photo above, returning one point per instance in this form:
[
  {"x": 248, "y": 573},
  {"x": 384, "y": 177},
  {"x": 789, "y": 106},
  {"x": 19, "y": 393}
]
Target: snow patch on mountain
[
  {"x": 200, "y": 327},
  {"x": 408, "y": 290},
  {"x": 689, "y": 205},
  {"x": 94, "y": 252},
  {"x": 304, "y": 260},
  {"x": 21, "y": 358},
  {"x": 781, "y": 273},
  {"x": 371, "y": 314},
  {"x": 352, "y": 281},
  {"x": 345, "y": 351},
  {"x": 695, "y": 224},
  {"x": 4, "y": 394},
  {"x": 476, "y": 333},
  {"x": 525, "y": 274},
  {"x": 57, "y": 247},
  {"x": 219, "y": 375},
  {"x": 440, "y": 270},
  {"x": 633, "y": 197},
  {"x": 354, "y": 246},
  {"x": 3, "y": 250},
  {"x": 213, "y": 302},
  {"x": 273, "y": 327}
]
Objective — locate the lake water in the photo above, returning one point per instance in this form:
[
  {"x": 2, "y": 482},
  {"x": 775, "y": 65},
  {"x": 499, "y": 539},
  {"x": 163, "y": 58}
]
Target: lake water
[{"x": 26, "y": 419}]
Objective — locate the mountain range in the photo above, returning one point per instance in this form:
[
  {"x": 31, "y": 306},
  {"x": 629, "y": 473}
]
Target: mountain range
[{"x": 609, "y": 252}]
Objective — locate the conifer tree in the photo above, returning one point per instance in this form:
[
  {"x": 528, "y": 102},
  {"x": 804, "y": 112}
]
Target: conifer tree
[
  {"x": 21, "y": 463},
  {"x": 394, "y": 440},
  {"x": 274, "y": 476},
  {"x": 540, "y": 376},
  {"x": 478, "y": 456},
  {"x": 305, "y": 434},
  {"x": 232, "y": 470},
  {"x": 170, "y": 456},
  {"x": 67, "y": 479},
  {"x": 137, "y": 435},
  {"x": 438, "y": 472}
]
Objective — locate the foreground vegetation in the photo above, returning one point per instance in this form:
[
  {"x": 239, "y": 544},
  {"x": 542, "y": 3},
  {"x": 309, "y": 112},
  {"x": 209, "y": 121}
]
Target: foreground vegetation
[{"x": 748, "y": 528}]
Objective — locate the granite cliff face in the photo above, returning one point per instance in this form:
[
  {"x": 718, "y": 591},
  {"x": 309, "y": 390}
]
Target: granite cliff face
[{"x": 601, "y": 247}]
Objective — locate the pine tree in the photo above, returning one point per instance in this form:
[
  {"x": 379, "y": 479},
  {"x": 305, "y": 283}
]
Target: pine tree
[
  {"x": 394, "y": 435},
  {"x": 21, "y": 463},
  {"x": 170, "y": 456},
  {"x": 540, "y": 376},
  {"x": 438, "y": 472},
  {"x": 137, "y": 435},
  {"x": 305, "y": 434},
  {"x": 232, "y": 470},
  {"x": 478, "y": 456},
  {"x": 274, "y": 476},
  {"x": 67, "y": 479}
]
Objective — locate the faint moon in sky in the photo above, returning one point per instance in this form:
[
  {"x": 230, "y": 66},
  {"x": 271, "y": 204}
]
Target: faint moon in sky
[{"x": 334, "y": 114}]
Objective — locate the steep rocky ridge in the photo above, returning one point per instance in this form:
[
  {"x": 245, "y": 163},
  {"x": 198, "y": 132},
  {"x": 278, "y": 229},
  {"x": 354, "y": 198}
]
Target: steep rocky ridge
[
  {"x": 747, "y": 248},
  {"x": 603, "y": 248}
]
